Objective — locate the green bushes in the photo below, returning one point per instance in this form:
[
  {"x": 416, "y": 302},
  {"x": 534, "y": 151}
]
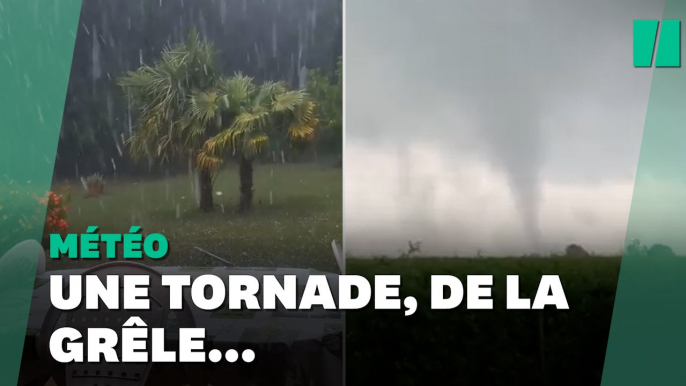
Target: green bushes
[
  {"x": 22, "y": 216},
  {"x": 484, "y": 347}
]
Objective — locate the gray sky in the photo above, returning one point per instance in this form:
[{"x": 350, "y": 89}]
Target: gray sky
[{"x": 503, "y": 126}]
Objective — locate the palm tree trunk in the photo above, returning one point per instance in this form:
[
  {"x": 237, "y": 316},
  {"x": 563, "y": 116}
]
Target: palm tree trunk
[
  {"x": 206, "y": 203},
  {"x": 245, "y": 172}
]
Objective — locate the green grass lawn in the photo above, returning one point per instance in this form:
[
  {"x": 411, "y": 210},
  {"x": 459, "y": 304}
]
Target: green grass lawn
[{"x": 294, "y": 229}]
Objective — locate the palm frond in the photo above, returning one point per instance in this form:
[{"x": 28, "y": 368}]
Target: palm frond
[
  {"x": 219, "y": 142},
  {"x": 246, "y": 127},
  {"x": 266, "y": 93},
  {"x": 305, "y": 122},
  {"x": 254, "y": 145},
  {"x": 237, "y": 90},
  {"x": 208, "y": 161},
  {"x": 249, "y": 121},
  {"x": 288, "y": 101},
  {"x": 204, "y": 106},
  {"x": 298, "y": 131}
]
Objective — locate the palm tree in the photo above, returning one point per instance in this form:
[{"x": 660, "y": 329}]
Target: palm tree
[
  {"x": 257, "y": 113},
  {"x": 183, "y": 102},
  {"x": 169, "y": 124}
]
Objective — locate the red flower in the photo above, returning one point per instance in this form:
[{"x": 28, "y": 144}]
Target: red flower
[{"x": 55, "y": 219}]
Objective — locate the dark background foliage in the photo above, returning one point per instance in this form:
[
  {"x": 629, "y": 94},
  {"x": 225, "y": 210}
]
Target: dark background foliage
[{"x": 484, "y": 347}]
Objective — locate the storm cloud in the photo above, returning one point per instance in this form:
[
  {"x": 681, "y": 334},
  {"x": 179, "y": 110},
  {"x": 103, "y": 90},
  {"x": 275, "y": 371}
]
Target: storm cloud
[{"x": 495, "y": 127}]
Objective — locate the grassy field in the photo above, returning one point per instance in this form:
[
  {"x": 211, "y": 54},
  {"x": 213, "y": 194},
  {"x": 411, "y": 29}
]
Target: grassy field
[
  {"x": 484, "y": 347},
  {"x": 292, "y": 229}
]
